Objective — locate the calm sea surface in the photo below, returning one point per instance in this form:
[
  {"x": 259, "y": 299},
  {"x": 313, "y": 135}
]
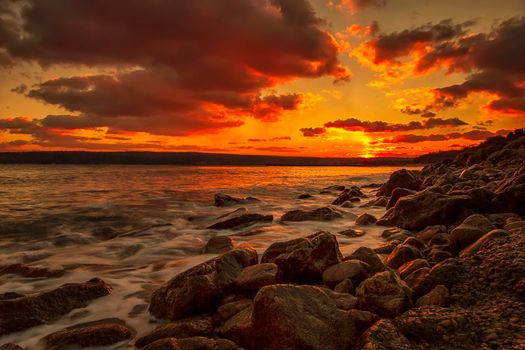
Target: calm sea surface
[{"x": 137, "y": 226}]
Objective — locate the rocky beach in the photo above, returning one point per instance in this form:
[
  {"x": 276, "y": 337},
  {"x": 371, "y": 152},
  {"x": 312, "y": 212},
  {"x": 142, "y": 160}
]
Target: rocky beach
[{"x": 450, "y": 273}]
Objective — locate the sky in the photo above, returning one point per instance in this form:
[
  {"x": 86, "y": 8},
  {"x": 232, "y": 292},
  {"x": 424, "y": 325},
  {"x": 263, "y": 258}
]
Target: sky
[{"x": 327, "y": 78}]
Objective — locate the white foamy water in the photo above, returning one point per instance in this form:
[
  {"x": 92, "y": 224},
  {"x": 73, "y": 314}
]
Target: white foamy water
[{"x": 63, "y": 216}]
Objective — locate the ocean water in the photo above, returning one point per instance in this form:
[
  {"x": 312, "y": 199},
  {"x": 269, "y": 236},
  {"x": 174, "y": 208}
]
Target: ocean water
[{"x": 138, "y": 226}]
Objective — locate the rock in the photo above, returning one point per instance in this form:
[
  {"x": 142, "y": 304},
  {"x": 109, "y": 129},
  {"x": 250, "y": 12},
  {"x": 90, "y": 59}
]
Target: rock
[
  {"x": 417, "y": 277},
  {"x": 189, "y": 327},
  {"x": 426, "y": 234},
  {"x": 300, "y": 317},
  {"x": 437, "y": 255},
  {"x": 415, "y": 242},
  {"x": 319, "y": 214},
  {"x": 363, "y": 319},
  {"x": 402, "y": 254},
  {"x": 354, "y": 270},
  {"x": 335, "y": 188},
  {"x": 365, "y": 219},
  {"x": 378, "y": 202},
  {"x": 304, "y": 259},
  {"x": 193, "y": 343},
  {"x": 257, "y": 276},
  {"x": 223, "y": 200},
  {"x": 241, "y": 221},
  {"x": 440, "y": 239},
  {"x": 347, "y": 195},
  {"x": 474, "y": 247},
  {"x": 305, "y": 196},
  {"x": 30, "y": 271},
  {"x": 396, "y": 233},
  {"x": 353, "y": 233},
  {"x": 97, "y": 333},
  {"x": 401, "y": 178},
  {"x": 407, "y": 268},
  {"x": 25, "y": 312},
  {"x": 472, "y": 228},
  {"x": 218, "y": 244},
  {"x": 383, "y": 335},
  {"x": 348, "y": 204},
  {"x": 200, "y": 288},
  {"x": 514, "y": 225},
  {"x": 424, "y": 209},
  {"x": 345, "y": 286},
  {"x": 398, "y": 193},
  {"x": 384, "y": 294},
  {"x": 438, "y": 296},
  {"x": 368, "y": 256},
  {"x": 226, "y": 311},
  {"x": 386, "y": 248},
  {"x": 447, "y": 273},
  {"x": 239, "y": 327},
  {"x": 11, "y": 346},
  {"x": 512, "y": 199}
]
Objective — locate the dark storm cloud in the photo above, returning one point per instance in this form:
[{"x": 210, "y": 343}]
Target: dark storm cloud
[
  {"x": 194, "y": 66},
  {"x": 473, "y": 135},
  {"x": 313, "y": 132},
  {"x": 354, "y": 124}
]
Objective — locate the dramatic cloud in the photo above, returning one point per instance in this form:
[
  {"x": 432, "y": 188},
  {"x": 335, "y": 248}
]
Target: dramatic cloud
[
  {"x": 313, "y": 132},
  {"x": 473, "y": 135},
  {"x": 184, "y": 67},
  {"x": 353, "y": 124},
  {"x": 357, "y": 5}
]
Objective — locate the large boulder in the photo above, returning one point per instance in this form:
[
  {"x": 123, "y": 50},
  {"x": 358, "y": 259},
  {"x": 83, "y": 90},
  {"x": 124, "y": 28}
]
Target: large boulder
[
  {"x": 91, "y": 334},
  {"x": 200, "y": 288},
  {"x": 300, "y": 317},
  {"x": 224, "y": 200},
  {"x": 402, "y": 254},
  {"x": 353, "y": 270},
  {"x": 384, "y": 294},
  {"x": 23, "y": 312},
  {"x": 401, "y": 178},
  {"x": 304, "y": 259},
  {"x": 319, "y": 214},
  {"x": 470, "y": 230},
  {"x": 241, "y": 221},
  {"x": 424, "y": 209},
  {"x": 368, "y": 256},
  {"x": 189, "y": 327}
]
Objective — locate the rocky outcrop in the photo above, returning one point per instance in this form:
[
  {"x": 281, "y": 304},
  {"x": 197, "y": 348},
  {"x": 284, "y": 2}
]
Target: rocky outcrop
[
  {"x": 92, "y": 334},
  {"x": 200, "y": 288},
  {"x": 319, "y": 214},
  {"x": 304, "y": 259},
  {"x": 401, "y": 178},
  {"x": 241, "y": 221},
  {"x": 300, "y": 317},
  {"x": 224, "y": 200},
  {"x": 21, "y": 313}
]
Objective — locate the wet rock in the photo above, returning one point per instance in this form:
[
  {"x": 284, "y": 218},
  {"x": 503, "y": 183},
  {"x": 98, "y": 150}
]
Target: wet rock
[
  {"x": 407, "y": 268},
  {"x": 347, "y": 195},
  {"x": 383, "y": 335},
  {"x": 424, "y": 209},
  {"x": 304, "y": 259},
  {"x": 348, "y": 204},
  {"x": 305, "y": 196},
  {"x": 91, "y": 334},
  {"x": 319, "y": 214},
  {"x": 353, "y": 233},
  {"x": 472, "y": 228},
  {"x": 257, "y": 276},
  {"x": 218, "y": 244},
  {"x": 335, "y": 188},
  {"x": 200, "y": 288},
  {"x": 241, "y": 221},
  {"x": 398, "y": 193},
  {"x": 11, "y": 346},
  {"x": 185, "y": 328},
  {"x": 365, "y": 219},
  {"x": 29, "y": 311},
  {"x": 193, "y": 343},
  {"x": 223, "y": 200},
  {"x": 384, "y": 294},
  {"x": 429, "y": 232},
  {"x": 402, "y": 254},
  {"x": 396, "y": 234},
  {"x": 368, "y": 256},
  {"x": 300, "y": 317},
  {"x": 401, "y": 178},
  {"x": 439, "y": 296},
  {"x": 354, "y": 270},
  {"x": 30, "y": 271},
  {"x": 474, "y": 247}
]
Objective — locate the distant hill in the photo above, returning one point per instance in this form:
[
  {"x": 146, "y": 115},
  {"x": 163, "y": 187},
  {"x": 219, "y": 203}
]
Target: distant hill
[{"x": 186, "y": 158}]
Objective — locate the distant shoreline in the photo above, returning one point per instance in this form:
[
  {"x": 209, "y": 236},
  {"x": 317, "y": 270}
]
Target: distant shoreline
[{"x": 192, "y": 159}]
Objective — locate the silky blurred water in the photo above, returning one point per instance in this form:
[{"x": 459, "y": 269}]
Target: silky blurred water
[{"x": 137, "y": 226}]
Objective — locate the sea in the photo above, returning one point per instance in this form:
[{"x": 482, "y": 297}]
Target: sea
[{"x": 137, "y": 226}]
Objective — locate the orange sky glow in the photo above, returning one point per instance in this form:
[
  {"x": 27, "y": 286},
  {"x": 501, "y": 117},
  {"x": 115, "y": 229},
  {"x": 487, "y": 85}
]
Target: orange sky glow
[{"x": 328, "y": 78}]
